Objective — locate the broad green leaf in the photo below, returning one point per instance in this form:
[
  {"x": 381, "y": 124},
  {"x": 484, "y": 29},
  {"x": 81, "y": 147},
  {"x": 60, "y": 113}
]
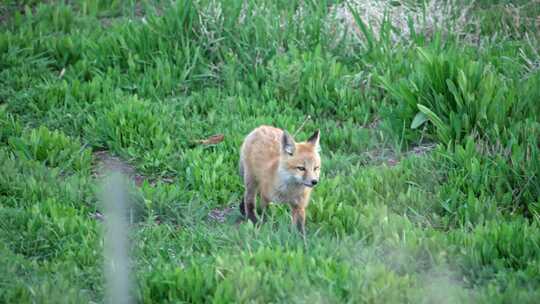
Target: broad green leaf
[{"x": 418, "y": 120}]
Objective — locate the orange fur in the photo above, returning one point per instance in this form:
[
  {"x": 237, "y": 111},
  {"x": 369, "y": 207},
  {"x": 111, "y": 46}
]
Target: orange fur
[{"x": 280, "y": 170}]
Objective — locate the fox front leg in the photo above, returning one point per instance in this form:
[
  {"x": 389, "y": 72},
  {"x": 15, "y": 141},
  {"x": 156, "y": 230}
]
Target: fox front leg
[
  {"x": 299, "y": 219},
  {"x": 265, "y": 201}
]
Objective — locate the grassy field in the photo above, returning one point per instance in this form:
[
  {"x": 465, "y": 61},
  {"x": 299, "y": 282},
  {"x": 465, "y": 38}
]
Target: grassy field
[{"x": 430, "y": 131}]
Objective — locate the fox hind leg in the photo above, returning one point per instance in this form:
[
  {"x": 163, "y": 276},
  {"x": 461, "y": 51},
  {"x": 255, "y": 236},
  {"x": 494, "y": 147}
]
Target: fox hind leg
[
  {"x": 242, "y": 207},
  {"x": 247, "y": 206}
]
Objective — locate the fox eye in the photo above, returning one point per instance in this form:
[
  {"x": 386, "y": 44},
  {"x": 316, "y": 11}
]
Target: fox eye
[
  {"x": 316, "y": 168},
  {"x": 301, "y": 168}
]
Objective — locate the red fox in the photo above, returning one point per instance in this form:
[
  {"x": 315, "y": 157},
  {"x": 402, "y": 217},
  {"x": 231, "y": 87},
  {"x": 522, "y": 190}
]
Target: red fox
[{"x": 280, "y": 170}]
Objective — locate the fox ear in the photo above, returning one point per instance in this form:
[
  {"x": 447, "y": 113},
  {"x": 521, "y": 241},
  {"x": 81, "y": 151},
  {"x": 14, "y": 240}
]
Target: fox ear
[
  {"x": 314, "y": 139},
  {"x": 287, "y": 143}
]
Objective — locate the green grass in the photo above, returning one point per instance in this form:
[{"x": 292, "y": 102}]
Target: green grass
[{"x": 430, "y": 187}]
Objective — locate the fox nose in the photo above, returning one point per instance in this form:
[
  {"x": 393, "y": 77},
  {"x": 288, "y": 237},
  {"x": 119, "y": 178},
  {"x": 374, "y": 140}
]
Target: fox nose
[{"x": 314, "y": 182}]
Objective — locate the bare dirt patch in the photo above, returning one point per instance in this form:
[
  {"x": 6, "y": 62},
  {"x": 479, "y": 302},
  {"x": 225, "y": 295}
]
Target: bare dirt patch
[
  {"x": 220, "y": 214},
  {"x": 389, "y": 157},
  {"x": 436, "y": 14},
  {"x": 105, "y": 162}
]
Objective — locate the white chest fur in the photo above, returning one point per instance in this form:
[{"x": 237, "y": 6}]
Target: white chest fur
[{"x": 289, "y": 189}]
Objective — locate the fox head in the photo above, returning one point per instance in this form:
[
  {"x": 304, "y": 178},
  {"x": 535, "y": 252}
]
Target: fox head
[{"x": 301, "y": 161}]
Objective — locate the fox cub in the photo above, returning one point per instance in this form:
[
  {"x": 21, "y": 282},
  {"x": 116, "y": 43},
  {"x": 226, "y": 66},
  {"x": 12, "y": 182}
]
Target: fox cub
[{"x": 280, "y": 170}]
